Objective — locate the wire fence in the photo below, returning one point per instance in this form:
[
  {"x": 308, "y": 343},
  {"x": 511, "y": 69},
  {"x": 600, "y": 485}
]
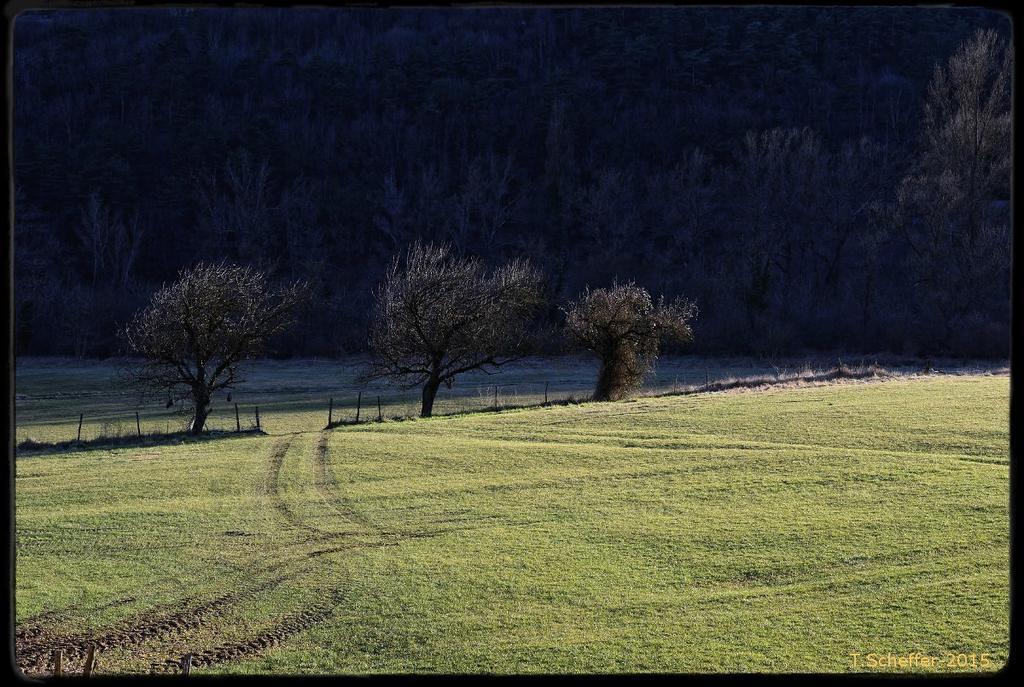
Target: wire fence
[
  {"x": 119, "y": 427},
  {"x": 371, "y": 406},
  {"x": 107, "y": 423},
  {"x": 99, "y": 422}
]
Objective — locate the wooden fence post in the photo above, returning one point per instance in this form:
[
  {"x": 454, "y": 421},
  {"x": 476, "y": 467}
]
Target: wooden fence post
[
  {"x": 495, "y": 396},
  {"x": 186, "y": 664},
  {"x": 330, "y": 411},
  {"x": 90, "y": 661},
  {"x": 258, "y": 417},
  {"x": 58, "y": 662},
  {"x": 380, "y": 415},
  {"x": 545, "y": 393},
  {"x": 80, "y": 416},
  {"x": 238, "y": 421},
  {"x": 359, "y": 404},
  {"x": 138, "y": 426},
  {"x": 706, "y": 374}
]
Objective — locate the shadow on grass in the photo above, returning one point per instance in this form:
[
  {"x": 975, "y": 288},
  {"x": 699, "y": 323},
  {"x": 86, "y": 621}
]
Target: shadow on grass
[{"x": 30, "y": 447}]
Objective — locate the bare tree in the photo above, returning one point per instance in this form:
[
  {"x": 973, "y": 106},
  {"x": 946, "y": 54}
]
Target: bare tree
[
  {"x": 235, "y": 207},
  {"x": 947, "y": 209},
  {"x": 112, "y": 242},
  {"x": 688, "y": 198},
  {"x": 125, "y": 248},
  {"x": 95, "y": 230},
  {"x": 486, "y": 204},
  {"x": 78, "y": 311},
  {"x": 438, "y": 315},
  {"x": 392, "y": 221},
  {"x": 779, "y": 176},
  {"x": 248, "y": 182},
  {"x": 303, "y": 235},
  {"x": 605, "y": 209},
  {"x": 853, "y": 178},
  {"x": 195, "y": 333},
  {"x": 625, "y": 328}
]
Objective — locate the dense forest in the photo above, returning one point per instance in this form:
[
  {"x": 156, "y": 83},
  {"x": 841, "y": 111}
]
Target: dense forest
[{"x": 779, "y": 166}]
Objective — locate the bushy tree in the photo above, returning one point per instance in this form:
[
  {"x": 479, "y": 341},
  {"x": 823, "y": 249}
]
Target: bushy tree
[
  {"x": 438, "y": 315},
  {"x": 195, "y": 333},
  {"x": 624, "y": 328}
]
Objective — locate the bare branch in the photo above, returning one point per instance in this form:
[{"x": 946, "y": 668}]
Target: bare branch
[
  {"x": 196, "y": 332},
  {"x": 438, "y": 316}
]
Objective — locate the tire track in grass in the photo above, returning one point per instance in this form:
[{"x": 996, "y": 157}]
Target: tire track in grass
[
  {"x": 311, "y": 615},
  {"x": 289, "y": 625},
  {"x": 272, "y": 486},
  {"x": 34, "y": 651},
  {"x": 35, "y": 644},
  {"x": 327, "y": 486},
  {"x": 36, "y": 626}
]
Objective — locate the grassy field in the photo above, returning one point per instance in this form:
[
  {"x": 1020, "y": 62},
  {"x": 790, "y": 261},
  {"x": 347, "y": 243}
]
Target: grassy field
[{"x": 776, "y": 531}]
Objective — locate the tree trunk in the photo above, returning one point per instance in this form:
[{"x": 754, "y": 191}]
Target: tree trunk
[
  {"x": 201, "y": 400},
  {"x": 610, "y": 385},
  {"x": 429, "y": 392}
]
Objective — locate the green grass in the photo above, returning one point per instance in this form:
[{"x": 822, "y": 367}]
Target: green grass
[{"x": 773, "y": 531}]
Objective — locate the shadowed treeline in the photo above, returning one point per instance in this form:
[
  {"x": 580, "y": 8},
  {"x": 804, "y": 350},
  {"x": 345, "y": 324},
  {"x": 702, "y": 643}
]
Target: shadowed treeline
[{"x": 776, "y": 165}]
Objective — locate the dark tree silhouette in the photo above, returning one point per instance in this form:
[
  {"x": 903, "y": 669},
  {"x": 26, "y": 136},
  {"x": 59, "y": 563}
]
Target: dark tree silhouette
[
  {"x": 438, "y": 315},
  {"x": 746, "y": 168},
  {"x": 947, "y": 208},
  {"x": 625, "y": 328},
  {"x": 194, "y": 333}
]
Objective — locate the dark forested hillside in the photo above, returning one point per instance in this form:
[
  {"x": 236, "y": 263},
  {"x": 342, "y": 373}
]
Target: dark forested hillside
[{"x": 757, "y": 160}]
